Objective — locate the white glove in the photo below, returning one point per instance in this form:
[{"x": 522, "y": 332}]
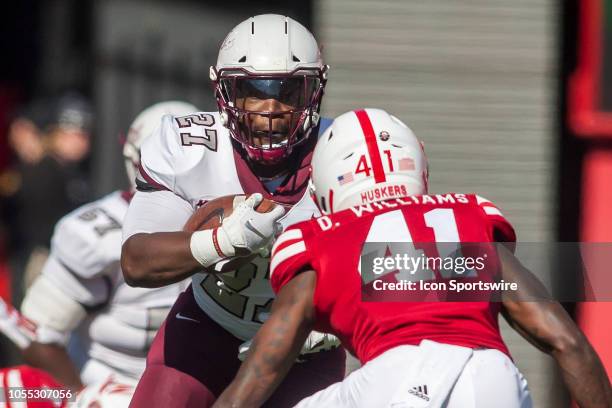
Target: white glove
[
  {"x": 249, "y": 230},
  {"x": 245, "y": 231},
  {"x": 315, "y": 342}
]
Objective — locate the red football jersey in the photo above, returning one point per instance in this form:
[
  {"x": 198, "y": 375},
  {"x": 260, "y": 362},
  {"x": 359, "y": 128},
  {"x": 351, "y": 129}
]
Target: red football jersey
[{"x": 331, "y": 246}]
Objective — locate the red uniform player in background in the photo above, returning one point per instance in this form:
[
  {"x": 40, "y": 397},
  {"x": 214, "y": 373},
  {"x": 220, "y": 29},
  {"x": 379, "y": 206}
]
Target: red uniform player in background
[
  {"x": 369, "y": 176},
  {"x": 28, "y": 387}
]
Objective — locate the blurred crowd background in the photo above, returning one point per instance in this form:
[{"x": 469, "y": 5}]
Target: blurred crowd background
[{"x": 513, "y": 101}]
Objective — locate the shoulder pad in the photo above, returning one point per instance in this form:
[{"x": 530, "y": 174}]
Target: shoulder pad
[
  {"x": 501, "y": 228},
  {"x": 179, "y": 143},
  {"x": 290, "y": 255},
  {"x": 88, "y": 239}
]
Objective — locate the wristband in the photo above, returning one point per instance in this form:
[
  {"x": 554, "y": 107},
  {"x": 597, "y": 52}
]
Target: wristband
[
  {"x": 215, "y": 239},
  {"x": 210, "y": 246}
]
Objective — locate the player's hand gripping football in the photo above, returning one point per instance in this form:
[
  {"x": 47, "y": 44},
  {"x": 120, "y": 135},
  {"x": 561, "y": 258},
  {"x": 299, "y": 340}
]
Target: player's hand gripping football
[
  {"x": 246, "y": 230},
  {"x": 242, "y": 233}
]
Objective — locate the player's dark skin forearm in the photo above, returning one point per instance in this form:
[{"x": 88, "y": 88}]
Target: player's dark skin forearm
[
  {"x": 158, "y": 259},
  {"x": 53, "y": 359},
  {"x": 584, "y": 374},
  {"x": 545, "y": 324},
  {"x": 275, "y": 347}
]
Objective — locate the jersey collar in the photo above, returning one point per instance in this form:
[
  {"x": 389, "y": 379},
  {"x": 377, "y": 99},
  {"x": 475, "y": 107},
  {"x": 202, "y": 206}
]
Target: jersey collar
[{"x": 292, "y": 189}]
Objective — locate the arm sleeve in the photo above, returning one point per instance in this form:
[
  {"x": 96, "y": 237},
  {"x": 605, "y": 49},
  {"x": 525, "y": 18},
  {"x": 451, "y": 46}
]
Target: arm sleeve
[
  {"x": 59, "y": 300},
  {"x": 290, "y": 255},
  {"x": 155, "y": 211},
  {"x": 501, "y": 229}
]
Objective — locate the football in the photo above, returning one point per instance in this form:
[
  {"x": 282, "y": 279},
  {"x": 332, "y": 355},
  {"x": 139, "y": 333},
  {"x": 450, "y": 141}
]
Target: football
[{"x": 211, "y": 215}]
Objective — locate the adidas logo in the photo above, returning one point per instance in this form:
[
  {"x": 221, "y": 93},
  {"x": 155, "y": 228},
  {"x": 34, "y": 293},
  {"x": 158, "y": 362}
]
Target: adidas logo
[{"x": 420, "y": 391}]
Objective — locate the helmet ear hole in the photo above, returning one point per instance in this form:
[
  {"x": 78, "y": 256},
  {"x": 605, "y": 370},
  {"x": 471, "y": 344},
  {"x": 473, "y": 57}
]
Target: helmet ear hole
[{"x": 323, "y": 206}]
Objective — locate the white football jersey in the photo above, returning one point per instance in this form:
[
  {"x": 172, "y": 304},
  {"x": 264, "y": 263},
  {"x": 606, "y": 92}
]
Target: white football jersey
[
  {"x": 192, "y": 156},
  {"x": 84, "y": 264}
]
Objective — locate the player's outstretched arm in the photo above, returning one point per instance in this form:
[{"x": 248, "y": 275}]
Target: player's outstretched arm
[
  {"x": 276, "y": 345},
  {"x": 544, "y": 323}
]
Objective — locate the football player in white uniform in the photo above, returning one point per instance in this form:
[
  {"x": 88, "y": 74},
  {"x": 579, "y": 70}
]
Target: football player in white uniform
[
  {"x": 81, "y": 288},
  {"x": 269, "y": 81}
]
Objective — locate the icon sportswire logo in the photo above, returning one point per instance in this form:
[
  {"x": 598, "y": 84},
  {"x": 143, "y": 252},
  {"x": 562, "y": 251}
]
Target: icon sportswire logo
[{"x": 420, "y": 391}]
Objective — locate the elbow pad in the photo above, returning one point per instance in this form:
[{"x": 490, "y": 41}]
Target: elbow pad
[{"x": 54, "y": 313}]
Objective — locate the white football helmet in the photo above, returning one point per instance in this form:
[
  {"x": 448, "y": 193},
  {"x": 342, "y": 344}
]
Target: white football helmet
[
  {"x": 365, "y": 156},
  {"x": 143, "y": 126},
  {"x": 269, "y": 57}
]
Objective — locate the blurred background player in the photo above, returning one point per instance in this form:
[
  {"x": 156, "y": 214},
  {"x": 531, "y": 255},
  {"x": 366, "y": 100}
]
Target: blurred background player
[
  {"x": 269, "y": 81},
  {"x": 24, "y": 137},
  {"x": 25, "y": 133},
  {"x": 51, "y": 139},
  {"x": 81, "y": 290},
  {"x": 415, "y": 353}
]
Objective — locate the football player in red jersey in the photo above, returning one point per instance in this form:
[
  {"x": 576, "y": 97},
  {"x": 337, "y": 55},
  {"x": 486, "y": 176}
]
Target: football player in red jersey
[
  {"x": 369, "y": 176},
  {"x": 269, "y": 81}
]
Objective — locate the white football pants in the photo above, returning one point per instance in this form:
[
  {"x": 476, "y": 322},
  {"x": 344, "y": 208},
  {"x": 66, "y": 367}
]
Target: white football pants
[{"x": 488, "y": 379}]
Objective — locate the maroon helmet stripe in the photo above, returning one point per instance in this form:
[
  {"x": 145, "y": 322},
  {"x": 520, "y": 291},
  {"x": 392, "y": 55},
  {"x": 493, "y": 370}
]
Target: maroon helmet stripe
[
  {"x": 370, "y": 137},
  {"x": 331, "y": 200}
]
